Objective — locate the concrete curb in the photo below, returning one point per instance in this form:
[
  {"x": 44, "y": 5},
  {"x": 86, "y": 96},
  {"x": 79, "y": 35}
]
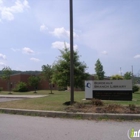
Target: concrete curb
[{"x": 61, "y": 114}]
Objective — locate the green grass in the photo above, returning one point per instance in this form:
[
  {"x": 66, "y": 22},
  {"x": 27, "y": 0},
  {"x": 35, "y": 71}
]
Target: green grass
[
  {"x": 51, "y": 102},
  {"x": 55, "y": 101}
]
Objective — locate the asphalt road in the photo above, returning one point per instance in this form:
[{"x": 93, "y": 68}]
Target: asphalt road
[{"x": 17, "y": 127}]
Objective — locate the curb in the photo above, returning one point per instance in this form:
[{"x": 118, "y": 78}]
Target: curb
[{"x": 61, "y": 114}]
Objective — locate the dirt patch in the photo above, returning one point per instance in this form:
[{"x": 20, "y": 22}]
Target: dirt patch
[{"x": 112, "y": 108}]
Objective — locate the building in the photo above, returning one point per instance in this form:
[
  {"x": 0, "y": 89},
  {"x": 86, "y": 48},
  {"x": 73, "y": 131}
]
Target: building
[{"x": 21, "y": 77}]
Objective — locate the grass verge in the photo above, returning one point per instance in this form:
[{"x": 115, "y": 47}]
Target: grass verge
[{"x": 54, "y": 102}]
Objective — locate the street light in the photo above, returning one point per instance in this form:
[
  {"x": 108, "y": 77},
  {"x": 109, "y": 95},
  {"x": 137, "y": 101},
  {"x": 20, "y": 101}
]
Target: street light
[{"x": 71, "y": 53}]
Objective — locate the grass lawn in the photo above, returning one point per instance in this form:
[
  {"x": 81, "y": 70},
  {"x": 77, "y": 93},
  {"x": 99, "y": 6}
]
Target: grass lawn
[
  {"x": 51, "y": 102},
  {"x": 55, "y": 101}
]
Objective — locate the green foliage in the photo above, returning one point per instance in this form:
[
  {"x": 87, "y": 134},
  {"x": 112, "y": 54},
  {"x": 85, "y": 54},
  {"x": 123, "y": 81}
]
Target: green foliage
[
  {"x": 6, "y": 73},
  {"x": 97, "y": 102},
  {"x": 34, "y": 81},
  {"x": 62, "y": 88},
  {"x": 135, "y": 88},
  {"x": 20, "y": 87},
  {"x": 61, "y": 74},
  {"x": 128, "y": 75},
  {"x": 1, "y": 89},
  {"x": 99, "y": 70},
  {"x": 47, "y": 72},
  {"x": 116, "y": 77},
  {"x": 132, "y": 107}
]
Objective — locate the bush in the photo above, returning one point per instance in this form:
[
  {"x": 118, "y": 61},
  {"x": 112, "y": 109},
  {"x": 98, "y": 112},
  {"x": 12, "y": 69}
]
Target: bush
[
  {"x": 62, "y": 88},
  {"x": 21, "y": 87},
  {"x": 135, "y": 88},
  {"x": 132, "y": 107},
  {"x": 1, "y": 89},
  {"x": 97, "y": 102},
  {"x": 116, "y": 77}
]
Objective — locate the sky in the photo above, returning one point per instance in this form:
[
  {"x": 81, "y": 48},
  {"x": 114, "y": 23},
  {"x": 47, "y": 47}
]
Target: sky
[{"x": 33, "y": 31}]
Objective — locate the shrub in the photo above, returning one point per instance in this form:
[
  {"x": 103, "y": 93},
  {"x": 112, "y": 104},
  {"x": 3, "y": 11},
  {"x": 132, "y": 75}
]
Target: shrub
[
  {"x": 116, "y": 77},
  {"x": 132, "y": 107},
  {"x": 1, "y": 89},
  {"x": 97, "y": 102},
  {"x": 135, "y": 88},
  {"x": 62, "y": 88},
  {"x": 21, "y": 87}
]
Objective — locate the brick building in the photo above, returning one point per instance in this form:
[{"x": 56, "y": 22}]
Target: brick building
[{"x": 21, "y": 77}]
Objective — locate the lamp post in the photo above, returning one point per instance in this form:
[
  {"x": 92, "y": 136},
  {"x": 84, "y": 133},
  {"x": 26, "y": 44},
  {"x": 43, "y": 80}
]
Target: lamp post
[{"x": 71, "y": 53}]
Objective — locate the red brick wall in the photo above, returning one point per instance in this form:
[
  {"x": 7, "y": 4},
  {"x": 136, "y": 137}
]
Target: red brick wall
[
  {"x": 3, "y": 84},
  {"x": 16, "y": 78}
]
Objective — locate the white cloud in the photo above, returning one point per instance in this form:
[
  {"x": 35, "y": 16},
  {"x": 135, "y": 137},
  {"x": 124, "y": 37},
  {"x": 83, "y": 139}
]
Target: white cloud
[
  {"x": 26, "y": 4},
  {"x": 61, "y": 45},
  {"x": 137, "y": 56},
  {"x": 43, "y": 27},
  {"x": 34, "y": 59},
  {"x": 7, "y": 13},
  {"x": 2, "y": 64},
  {"x": 1, "y": 2},
  {"x": 27, "y": 50},
  {"x": 2, "y": 56},
  {"x": 62, "y": 32},
  {"x": 104, "y": 52},
  {"x": 15, "y": 50}
]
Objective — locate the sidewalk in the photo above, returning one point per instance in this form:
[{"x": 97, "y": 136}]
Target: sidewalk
[{"x": 22, "y": 96}]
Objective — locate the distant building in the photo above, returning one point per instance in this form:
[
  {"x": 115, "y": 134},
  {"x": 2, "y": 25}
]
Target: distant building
[{"x": 21, "y": 77}]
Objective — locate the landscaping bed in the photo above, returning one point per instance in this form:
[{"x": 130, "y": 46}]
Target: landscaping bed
[{"x": 111, "y": 108}]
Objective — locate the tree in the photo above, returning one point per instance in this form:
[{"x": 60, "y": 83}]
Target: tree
[
  {"x": 34, "y": 81},
  {"x": 61, "y": 74},
  {"x": 47, "y": 72},
  {"x": 128, "y": 75},
  {"x": 6, "y": 73},
  {"x": 116, "y": 77},
  {"x": 99, "y": 70}
]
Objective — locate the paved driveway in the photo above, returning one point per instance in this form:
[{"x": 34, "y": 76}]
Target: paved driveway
[
  {"x": 9, "y": 99},
  {"x": 5, "y": 98}
]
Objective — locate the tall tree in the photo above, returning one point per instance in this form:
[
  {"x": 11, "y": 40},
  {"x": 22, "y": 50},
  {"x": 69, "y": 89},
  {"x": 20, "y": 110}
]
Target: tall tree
[
  {"x": 6, "y": 73},
  {"x": 99, "y": 70},
  {"x": 61, "y": 74},
  {"x": 47, "y": 72},
  {"x": 128, "y": 75},
  {"x": 34, "y": 81}
]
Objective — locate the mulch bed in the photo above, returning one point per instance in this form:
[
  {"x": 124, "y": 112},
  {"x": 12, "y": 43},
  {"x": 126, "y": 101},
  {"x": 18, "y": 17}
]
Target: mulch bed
[{"x": 112, "y": 108}]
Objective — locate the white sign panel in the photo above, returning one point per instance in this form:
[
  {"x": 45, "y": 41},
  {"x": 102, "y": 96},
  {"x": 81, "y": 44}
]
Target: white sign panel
[
  {"x": 106, "y": 85},
  {"x": 89, "y": 89}
]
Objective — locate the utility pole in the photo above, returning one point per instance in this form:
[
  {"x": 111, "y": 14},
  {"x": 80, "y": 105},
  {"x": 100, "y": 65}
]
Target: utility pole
[
  {"x": 132, "y": 76},
  {"x": 71, "y": 54},
  {"x": 120, "y": 71}
]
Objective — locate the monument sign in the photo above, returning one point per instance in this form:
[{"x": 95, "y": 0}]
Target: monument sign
[{"x": 109, "y": 89}]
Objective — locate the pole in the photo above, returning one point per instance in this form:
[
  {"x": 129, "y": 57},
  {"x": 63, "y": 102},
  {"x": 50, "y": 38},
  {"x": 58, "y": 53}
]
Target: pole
[
  {"x": 71, "y": 54},
  {"x": 120, "y": 71},
  {"x": 132, "y": 76}
]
